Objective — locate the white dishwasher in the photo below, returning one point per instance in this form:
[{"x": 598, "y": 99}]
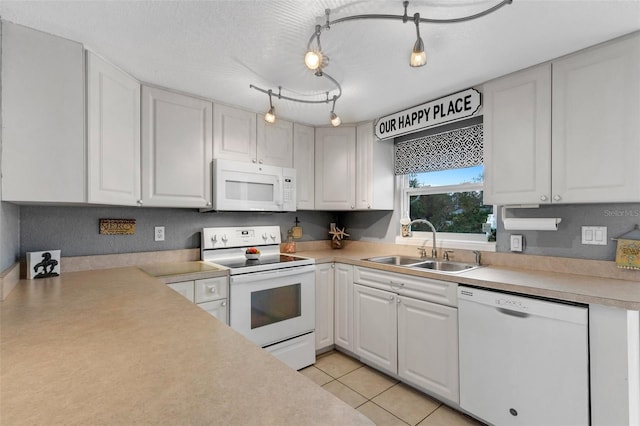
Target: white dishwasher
[{"x": 523, "y": 361}]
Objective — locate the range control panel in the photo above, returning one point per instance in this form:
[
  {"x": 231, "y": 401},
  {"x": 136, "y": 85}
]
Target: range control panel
[{"x": 229, "y": 237}]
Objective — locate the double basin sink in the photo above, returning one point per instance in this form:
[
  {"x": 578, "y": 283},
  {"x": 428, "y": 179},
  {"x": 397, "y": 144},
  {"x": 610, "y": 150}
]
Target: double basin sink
[{"x": 446, "y": 266}]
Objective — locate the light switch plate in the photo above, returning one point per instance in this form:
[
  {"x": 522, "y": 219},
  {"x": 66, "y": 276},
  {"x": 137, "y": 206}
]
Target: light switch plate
[
  {"x": 516, "y": 242},
  {"x": 594, "y": 235}
]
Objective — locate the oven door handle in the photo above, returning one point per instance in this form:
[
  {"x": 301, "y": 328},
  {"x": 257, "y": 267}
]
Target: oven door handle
[{"x": 284, "y": 272}]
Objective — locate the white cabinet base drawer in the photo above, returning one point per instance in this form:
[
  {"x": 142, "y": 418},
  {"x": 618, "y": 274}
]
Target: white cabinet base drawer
[{"x": 298, "y": 352}]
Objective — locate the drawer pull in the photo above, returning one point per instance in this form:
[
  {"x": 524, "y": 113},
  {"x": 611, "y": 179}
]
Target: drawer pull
[{"x": 212, "y": 289}]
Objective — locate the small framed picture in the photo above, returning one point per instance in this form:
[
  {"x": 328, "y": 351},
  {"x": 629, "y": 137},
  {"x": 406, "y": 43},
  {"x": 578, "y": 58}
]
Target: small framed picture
[{"x": 43, "y": 264}]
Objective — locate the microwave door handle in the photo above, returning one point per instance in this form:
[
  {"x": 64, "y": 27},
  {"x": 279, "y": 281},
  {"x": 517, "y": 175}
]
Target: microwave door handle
[{"x": 278, "y": 194}]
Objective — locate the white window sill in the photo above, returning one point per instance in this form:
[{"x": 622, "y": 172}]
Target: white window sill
[{"x": 448, "y": 243}]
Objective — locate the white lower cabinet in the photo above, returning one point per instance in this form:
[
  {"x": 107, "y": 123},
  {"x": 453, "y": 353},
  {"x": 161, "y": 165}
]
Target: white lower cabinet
[
  {"x": 210, "y": 294},
  {"x": 376, "y": 331},
  {"x": 343, "y": 307},
  {"x": 324, "y": 306},
  {"x": 407, "y": 326},
  {"x": 428, "y": 346}
]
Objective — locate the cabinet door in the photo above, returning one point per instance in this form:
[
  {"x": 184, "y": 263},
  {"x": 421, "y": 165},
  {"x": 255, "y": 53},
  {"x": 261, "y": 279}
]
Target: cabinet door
[
  {"x": 374, "y": 170},
  {"x": 217, "y": 309},
  {"x": 275, "y": 143},
  {"x": 376, "y": 333},
  {"x": 113, "y": 134},
  {"x": 324, "y": 305},
  {"x": 335, "y": 150},
  {"x": 428, "y": 346},
  {"x": 185, "y": 288},
  {"x": 596, "y": 130},
  {"x": 176, "y": 149},
  {"x": 304, "y": 163},
  {"x": 234, "y": 134},
  {"x": 43, "y": 131},
  {"x": 343, "y": 308},
  {"x": 517, "y": 137}
]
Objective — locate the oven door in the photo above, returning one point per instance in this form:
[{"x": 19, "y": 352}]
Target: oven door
[{"x": 272, "y": 306}]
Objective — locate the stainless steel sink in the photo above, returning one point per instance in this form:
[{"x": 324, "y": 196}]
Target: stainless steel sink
[
  {"x": 396, "y": 260},
  {"x": 446, "y": 266}
]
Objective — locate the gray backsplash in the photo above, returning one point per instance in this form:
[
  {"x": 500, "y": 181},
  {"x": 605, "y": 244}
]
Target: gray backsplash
[
  {"x": 566, "y": 241},
  {"x": 74, "y": 230}
]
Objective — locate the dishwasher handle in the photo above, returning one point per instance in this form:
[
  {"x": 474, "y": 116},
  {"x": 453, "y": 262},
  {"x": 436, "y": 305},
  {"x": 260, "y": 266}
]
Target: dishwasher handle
[{"x": 513, "y": 313}]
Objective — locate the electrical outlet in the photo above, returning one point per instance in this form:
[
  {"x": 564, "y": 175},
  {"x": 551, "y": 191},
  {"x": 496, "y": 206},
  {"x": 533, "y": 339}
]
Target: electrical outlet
[
  {"x": 516, "y": 243},
  {"x": 159, "y": 233}
]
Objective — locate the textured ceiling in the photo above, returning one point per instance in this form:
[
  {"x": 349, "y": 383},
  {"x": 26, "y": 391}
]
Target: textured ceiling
[{"x": 216, "y": 49}]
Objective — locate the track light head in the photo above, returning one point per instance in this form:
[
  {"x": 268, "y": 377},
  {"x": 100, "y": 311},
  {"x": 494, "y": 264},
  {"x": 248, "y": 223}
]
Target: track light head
[
  {"x": 335, "y": 120},
  {"x": 270, "y": 116},
  {"x": 418, "y": 56}
]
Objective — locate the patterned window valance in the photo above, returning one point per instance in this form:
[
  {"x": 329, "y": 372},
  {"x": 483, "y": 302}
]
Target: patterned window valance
[{"x": 448, "y": 150}]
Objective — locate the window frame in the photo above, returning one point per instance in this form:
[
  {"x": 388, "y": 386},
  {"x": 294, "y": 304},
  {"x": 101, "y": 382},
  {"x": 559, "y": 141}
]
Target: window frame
[{"x": 466, "y": 241}]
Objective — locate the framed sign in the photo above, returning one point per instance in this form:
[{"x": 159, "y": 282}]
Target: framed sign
[{"x": 433, "y": 113}]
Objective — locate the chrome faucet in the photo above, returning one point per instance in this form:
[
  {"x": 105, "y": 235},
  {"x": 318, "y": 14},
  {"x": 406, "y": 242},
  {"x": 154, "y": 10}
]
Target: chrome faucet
[{"x": 422, "y": 249}]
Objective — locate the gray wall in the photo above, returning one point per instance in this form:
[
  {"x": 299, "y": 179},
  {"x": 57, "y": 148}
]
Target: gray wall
[
  {"x": 74, "y": 230},
  {"x": 566, "y": 241},
  {"x": 9, "y": 234}
]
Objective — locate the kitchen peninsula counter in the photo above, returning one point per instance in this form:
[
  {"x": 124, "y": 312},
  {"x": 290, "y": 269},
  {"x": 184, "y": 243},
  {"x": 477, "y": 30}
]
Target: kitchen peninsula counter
[{"x": 119, "y": 347}]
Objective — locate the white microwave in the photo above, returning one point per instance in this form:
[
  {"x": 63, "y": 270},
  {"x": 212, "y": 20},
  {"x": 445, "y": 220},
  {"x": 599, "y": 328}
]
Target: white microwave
[{"x": 239, "y": 186}]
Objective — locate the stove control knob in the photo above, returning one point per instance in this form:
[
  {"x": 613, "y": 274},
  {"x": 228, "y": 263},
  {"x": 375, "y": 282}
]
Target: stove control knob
[
  {"x": 273, "y": 237},
  {"x": 264, "y": 236},
  {"x": 224, "y": 238},
  {"x": 214, "y": 238}
]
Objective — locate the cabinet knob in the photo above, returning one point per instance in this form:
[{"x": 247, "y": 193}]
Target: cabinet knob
[
  {"x": 543, "y": 198},
  {"x": 140, "y": 202},
  {"x": 391, "y": 298},
  {"x": 253, "y": 161},
  {"x": 557, "y": 198},
  {"x": 212, "y": 289},
  {"x": 353, "y": 207},
  {"x": 209, "y": 204},
  {"x": 224, "y": 303},
  {"x": 260, "y": 161}
]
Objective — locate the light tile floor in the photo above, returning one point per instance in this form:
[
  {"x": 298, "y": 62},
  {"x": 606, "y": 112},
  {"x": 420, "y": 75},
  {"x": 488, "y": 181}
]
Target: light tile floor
[{"x": 381, "y": 398}]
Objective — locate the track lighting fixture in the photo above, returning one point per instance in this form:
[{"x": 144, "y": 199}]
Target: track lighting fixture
[
  {"x": 418, "y": 57},
  {"x": 335, "y": 120},
  {"x": 316, "y": 60},
  {"x": 270, "y": 116}
]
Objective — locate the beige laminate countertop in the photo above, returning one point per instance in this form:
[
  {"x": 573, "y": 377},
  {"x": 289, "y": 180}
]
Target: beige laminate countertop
[
  {"x": 570, "y": 287},
  {"x": 119, "y": 347}
]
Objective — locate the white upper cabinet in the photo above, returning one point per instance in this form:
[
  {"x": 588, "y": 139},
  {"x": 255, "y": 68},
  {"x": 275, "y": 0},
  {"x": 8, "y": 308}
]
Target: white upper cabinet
[
  {"x": 566, "y": 132},
  {"x": 352, "y": 170},
  {"x": 275, "y": 143},
  {"x": 176, "y": 149},
  {"x": 304, "y": 163},
  {"x": 43, "y": 130},
  {"x": 239, "y": 136},
  {"x": 113, "y": 134},
  {"x": 596, "y": 124},
  {"x": 335, "y": 173},
  {"x": 234, "y": 134},
  {"x": 517, "y": 134},
  {"x": 374, "y": 170}
]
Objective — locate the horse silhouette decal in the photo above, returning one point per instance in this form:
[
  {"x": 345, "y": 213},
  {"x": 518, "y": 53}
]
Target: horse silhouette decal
[{"x": 48, "y": 265}]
